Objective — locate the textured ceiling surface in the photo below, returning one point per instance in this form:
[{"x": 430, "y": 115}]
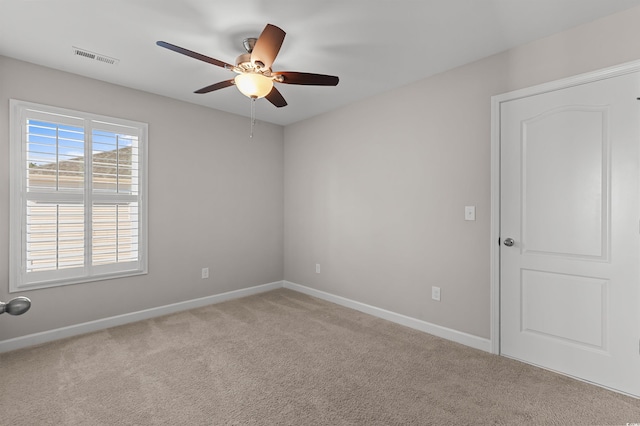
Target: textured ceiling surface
[{"x": 372, "y": 45}]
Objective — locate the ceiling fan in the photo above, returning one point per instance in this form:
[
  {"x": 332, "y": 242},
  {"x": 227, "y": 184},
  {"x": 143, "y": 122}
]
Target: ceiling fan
[{"x": 255, "y": 78}]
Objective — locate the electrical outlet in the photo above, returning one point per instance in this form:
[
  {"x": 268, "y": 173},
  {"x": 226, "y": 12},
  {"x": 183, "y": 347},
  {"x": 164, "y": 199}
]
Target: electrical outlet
[
  {"x": 435, "y": 293},
  {"x": 317, "y": 268},
  {"x": 205, "y": 273}
]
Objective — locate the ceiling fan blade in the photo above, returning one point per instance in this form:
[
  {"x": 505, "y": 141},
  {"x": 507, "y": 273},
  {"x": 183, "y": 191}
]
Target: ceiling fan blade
[
  {"x": 305, "y": 78},
  {"x": 275, "y": 97},
  {"x": 193, "y": 54},
  {"x": 267, "y": 46},
  {"x": 217, "y": 86}
]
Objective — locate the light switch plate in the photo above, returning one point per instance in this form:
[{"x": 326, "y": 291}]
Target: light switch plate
[{"x": 470, "y": 213}]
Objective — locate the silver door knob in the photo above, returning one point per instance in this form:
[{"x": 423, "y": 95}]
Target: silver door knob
[
  {"x": 16, "y": 306},
  {"x": 509, "y": 242}
]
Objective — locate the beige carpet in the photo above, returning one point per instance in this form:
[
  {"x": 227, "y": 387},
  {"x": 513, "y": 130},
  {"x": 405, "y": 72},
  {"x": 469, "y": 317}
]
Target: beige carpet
[{"x": 284, "y": 358}]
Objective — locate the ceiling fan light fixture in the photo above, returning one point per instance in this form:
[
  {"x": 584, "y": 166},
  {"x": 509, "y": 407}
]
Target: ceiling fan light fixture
[
  {"x": 254, "y": 85},
  {"x": 255, "y": 78}
]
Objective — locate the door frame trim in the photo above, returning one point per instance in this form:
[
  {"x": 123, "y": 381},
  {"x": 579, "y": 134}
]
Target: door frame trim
[{"x": 496, "y": 102}]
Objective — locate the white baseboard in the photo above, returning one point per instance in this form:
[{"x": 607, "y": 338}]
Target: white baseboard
[
  {"x": 444, "y": 332},
  {"x": 101, "y": 324}
]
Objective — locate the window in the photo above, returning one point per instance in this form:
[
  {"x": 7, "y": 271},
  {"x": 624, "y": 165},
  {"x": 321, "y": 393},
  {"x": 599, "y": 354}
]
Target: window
[{"x": 78, "y": 197}]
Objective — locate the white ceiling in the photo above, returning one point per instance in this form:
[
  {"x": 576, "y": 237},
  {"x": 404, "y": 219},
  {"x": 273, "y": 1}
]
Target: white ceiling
[{"x": 372, "y": 45}]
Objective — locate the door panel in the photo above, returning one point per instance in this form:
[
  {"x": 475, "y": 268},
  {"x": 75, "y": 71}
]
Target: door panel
[
  {"x": 569, "y": 286},
  {"x": 557, "y": 202},
  {"x": 546, "y": 299}
]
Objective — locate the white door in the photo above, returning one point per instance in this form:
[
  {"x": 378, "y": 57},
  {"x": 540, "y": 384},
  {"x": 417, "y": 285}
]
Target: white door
[{"x": 569, "y": 185}]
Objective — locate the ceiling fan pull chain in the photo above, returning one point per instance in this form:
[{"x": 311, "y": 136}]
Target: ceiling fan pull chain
[{"x": 253, "y": 115}]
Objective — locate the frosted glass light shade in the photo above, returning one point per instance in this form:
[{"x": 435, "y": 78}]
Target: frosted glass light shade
[{"x": 254, "y": 85}]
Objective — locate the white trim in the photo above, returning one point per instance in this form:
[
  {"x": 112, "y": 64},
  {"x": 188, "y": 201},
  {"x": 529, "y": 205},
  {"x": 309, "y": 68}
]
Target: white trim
[
  {"x": 19, "y": 278},
  {"x": 494, "y": 251},
  {"x": 101, "y": 324},
  {"x": 589, "y": 77},
  {"x": 436, "y": 330},
  {"x": 496, "y": 102}
]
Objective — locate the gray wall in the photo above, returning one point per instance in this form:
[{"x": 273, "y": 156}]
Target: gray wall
[
  {"x": 215, "y": 199},
  {"x": 375, "y": 191}
]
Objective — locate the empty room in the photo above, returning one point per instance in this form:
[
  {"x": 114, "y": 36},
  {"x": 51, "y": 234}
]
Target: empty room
[{"x": 319, "y": 213}]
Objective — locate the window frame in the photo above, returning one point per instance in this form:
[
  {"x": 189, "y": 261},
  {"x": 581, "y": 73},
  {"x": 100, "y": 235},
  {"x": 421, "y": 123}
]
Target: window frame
[{"x": 20, "y": 112}]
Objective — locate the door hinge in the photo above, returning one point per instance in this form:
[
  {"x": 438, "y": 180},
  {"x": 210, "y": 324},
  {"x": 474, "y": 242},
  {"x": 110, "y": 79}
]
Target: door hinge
[{"x": 498, "y": 240}]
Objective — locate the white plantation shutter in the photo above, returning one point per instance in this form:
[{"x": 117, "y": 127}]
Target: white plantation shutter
[{"x": 78, "y": 200}]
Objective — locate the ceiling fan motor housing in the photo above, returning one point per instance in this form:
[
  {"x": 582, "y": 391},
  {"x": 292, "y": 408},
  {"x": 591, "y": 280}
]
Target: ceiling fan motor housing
[{"x": 244, "y": 61}]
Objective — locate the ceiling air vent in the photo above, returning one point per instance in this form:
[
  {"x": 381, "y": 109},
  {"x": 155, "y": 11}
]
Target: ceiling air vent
[{"x": 95, "y": 56}]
